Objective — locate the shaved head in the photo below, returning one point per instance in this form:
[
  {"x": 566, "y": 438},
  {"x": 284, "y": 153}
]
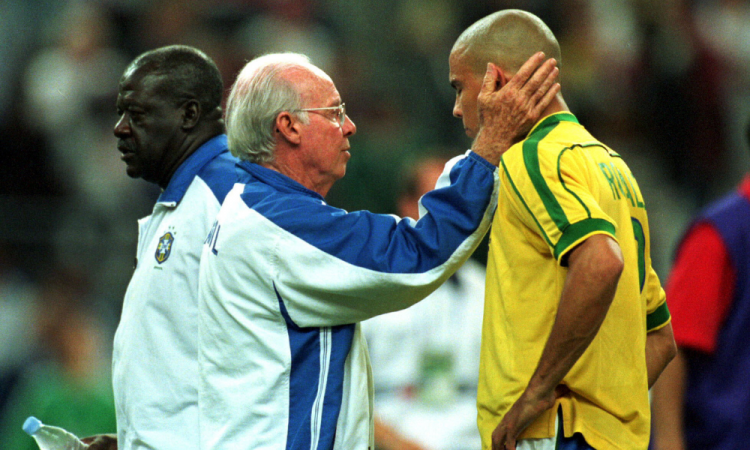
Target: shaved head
[{"x": 506, "y": 38}]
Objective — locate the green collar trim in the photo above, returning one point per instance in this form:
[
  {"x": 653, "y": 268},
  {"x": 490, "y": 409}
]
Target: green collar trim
[{"x": 550, "y": 122}]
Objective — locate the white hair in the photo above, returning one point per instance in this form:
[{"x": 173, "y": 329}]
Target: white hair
[{"x": 257, "y": 97}]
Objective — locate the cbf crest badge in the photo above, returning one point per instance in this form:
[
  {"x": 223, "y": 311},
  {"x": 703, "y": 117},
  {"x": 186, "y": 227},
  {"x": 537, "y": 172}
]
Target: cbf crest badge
[{"x": 165, "y": 247}]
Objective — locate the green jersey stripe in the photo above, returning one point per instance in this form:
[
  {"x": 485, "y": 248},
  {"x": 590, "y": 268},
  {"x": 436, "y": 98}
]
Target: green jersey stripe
[
  {"x": 520, "y": 197},
  {"x": 657, "y": 318},
  {"x": 553, "y": 120},
  {"x": 562, "y": 181},
  {"x": 575, "y": 232},
  {"x": 531, "y": 160}
]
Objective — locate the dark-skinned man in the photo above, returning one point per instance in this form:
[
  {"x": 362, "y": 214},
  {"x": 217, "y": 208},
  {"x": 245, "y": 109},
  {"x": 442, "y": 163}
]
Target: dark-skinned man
[
  {"x": 170, "y": 132},
  {"x": 155, "y": 361}
]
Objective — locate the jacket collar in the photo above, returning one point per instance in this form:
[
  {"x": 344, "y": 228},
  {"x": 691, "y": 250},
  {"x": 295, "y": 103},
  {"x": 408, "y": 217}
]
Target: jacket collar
[
  {"x": 276, "y": 179},
  {"x": 187, "y": 171}
]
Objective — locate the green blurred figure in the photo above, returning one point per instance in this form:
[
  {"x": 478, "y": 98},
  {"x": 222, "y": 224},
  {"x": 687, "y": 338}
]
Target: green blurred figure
[{"x": 68, "y": 384}]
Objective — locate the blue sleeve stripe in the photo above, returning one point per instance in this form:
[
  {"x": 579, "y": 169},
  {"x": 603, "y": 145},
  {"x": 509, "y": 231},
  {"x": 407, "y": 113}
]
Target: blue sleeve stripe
[{"x": 381, "y": 242}]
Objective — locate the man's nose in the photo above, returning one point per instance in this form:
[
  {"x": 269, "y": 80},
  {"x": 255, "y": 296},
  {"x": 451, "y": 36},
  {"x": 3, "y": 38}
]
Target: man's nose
[
  {"x": 121, "y": 127},
  {"x": 349, "y": 127}
]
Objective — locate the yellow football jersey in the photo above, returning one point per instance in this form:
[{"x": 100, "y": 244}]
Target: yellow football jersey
[{"x": 558, "y": 187}]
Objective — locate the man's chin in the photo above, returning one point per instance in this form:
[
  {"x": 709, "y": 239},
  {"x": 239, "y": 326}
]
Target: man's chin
[{"x": 133, "y": 172}]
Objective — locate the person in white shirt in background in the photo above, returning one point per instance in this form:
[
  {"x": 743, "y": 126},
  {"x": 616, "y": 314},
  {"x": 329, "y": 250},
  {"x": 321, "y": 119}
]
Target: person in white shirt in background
[{"x": 425, "y": 359}]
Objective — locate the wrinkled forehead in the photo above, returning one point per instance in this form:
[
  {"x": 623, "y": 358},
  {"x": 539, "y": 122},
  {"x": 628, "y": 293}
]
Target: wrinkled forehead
[
  {"x": 132, "y": 75},
  {"x": 137, "y": 81}
]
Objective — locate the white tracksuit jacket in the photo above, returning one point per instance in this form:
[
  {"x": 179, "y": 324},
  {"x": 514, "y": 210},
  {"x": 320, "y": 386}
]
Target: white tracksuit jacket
[
  {"x": 285, "y": 280},
  {"x": 155, "y": 355}
]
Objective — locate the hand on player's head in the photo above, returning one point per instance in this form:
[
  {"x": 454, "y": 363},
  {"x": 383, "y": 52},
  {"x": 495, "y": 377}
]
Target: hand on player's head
[{"x": 509, "y": 107}]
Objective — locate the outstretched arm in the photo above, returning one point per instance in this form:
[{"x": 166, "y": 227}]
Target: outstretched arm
[{"x": 594, "y": 270}]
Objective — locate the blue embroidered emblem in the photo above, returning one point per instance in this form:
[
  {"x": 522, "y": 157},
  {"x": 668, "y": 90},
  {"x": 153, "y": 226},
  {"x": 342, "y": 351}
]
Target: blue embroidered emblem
[{"x": 164, "y": 248}]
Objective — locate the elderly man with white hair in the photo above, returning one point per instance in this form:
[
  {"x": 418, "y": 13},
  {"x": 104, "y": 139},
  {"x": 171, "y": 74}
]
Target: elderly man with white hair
[{"x": 285, "y": 278}]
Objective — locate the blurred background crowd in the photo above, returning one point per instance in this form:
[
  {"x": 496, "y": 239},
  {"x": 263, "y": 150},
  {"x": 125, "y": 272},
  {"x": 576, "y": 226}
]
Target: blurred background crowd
[{"x": 665, "y": 83}]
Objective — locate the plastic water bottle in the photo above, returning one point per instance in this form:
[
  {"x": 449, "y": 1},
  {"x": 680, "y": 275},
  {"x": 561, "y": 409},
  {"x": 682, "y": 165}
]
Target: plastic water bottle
[{"x": 52, "y": 438}]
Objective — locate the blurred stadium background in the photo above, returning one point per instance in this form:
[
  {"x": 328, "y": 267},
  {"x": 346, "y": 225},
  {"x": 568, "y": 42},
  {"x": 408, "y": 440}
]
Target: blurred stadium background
[{"x": 666, "y": 83}]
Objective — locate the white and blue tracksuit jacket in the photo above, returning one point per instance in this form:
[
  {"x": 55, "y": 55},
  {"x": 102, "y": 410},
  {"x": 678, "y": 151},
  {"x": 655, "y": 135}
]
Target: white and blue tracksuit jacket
[
  {"x": 155, "y": 355},
  {"x": 285, "y": 280}
]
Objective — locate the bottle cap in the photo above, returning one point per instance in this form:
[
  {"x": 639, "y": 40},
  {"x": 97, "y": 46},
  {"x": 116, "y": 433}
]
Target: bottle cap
[{"x": 32, "y": 425}]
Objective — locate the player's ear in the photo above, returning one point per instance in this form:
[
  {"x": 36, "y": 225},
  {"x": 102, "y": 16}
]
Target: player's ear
[
  {"x": 502, "y": 77},
  {"x": 494, "y": 72}
]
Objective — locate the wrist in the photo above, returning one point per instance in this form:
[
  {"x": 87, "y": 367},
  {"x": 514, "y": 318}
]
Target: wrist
[{"x": 488, "y": 148}]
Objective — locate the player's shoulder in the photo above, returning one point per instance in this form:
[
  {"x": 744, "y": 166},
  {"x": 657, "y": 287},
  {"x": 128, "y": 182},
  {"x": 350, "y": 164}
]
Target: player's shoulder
[
  {"x": 532, "y": 152},
  {"x": 220, "y": 166},
  {"x": 569, "y": 142}
]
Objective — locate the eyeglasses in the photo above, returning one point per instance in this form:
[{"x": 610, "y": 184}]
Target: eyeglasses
[{"x": 340, "y": 112}]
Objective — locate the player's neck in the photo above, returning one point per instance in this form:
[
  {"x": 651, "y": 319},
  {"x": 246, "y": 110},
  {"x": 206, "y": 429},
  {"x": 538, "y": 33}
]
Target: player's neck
[{"x": 556, "y": 105}]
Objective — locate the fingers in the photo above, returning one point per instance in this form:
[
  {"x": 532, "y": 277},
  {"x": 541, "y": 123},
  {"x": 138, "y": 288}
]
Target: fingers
[
  {"x": 531, "y": 76},
  {"x": 527, "y": 69},
  {"x": 545, "y": 94},
  {"x": 501, "y": 437},
  {"x": 542, "y": 75},
  {"x": 101, "y": 442},
  {"x": 498, "y": 436},
  {"x": 504, "y": 444},
  {"x": 545, "y": 86}
]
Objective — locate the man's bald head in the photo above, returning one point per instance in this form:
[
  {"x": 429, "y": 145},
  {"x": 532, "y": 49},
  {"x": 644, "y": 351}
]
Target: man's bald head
[{"x": 506, "y": 38}]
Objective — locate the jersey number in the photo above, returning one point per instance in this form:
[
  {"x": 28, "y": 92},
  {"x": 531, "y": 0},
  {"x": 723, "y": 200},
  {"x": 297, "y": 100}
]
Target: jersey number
[{"x": 640, "y": 238}]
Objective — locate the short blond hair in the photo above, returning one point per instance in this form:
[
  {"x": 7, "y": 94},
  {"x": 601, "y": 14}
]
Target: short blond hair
[{"x": 507, "y": 38}]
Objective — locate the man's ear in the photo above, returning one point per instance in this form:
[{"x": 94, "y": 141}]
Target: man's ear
[
  {"x": 288, "y": 127},
  {"x": 191, "y": 114}
]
